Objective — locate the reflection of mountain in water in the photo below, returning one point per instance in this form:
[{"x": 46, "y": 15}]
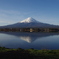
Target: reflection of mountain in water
[{"x": 29, "y": 37}]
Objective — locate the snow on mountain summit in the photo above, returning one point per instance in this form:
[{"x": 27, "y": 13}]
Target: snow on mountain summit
[
  {"x": 30, "y": 23},
  {"x": 28, "y": 20}
]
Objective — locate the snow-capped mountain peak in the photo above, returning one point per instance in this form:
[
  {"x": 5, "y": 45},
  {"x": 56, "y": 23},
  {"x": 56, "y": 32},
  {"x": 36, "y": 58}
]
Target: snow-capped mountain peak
[
  {"x": 30, "y": 23},
  {"x": 28, "y": 20}
]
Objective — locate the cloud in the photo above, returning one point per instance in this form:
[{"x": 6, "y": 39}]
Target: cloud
[
  {"x": 4, "y": 22},
  {"x": 9, "y": 12},
  {"x": 10, "y": 16}
]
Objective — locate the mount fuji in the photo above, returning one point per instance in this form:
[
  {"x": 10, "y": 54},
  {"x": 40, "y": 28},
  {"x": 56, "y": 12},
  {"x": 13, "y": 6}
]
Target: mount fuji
[
  {"x": 30, "y": 23},
  {"x": 29, "y": 20}
]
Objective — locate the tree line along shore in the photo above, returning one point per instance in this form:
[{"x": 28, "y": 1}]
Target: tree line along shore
[{"x": 31, "y": 29}]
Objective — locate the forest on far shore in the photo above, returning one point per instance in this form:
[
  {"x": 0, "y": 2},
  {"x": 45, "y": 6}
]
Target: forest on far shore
[{"x": 30, "y": 29}]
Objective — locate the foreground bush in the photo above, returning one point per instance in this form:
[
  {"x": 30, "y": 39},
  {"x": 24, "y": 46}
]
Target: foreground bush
[{"x": 19, "y": 53}]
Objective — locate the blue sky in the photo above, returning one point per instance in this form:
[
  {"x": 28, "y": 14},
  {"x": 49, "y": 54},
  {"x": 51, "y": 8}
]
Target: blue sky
[{"x": 13, "y": 11}]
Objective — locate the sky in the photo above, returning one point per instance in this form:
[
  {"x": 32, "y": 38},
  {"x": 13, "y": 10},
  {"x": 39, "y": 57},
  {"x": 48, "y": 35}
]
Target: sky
[{"x": 13, "y": 11}]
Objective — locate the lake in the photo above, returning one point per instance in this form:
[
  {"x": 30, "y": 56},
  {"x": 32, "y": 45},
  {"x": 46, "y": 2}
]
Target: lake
[{"x": 27, "y": 40}]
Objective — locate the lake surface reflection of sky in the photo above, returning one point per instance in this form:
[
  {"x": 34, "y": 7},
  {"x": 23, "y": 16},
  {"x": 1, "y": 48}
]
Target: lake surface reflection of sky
[{"x": 27, "y": 40}]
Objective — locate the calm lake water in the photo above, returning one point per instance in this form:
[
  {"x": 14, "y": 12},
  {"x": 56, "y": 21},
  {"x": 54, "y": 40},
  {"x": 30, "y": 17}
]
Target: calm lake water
[{"x": 27, "y": 40}]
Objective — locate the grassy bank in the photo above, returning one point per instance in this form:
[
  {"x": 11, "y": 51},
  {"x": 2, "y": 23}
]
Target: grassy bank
[{"x": 19, "y": 53}]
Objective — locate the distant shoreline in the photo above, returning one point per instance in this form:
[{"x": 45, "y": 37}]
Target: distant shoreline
[{"x": 30, "y": 29}]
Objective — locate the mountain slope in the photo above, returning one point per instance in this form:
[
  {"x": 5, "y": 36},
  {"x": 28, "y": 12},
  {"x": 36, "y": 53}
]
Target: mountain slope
[{"x": 30, "y": 23}]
